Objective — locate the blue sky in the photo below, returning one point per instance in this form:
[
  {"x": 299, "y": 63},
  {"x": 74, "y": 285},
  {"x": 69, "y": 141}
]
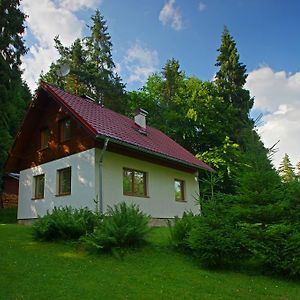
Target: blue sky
[{"x": 146, "y": 33}]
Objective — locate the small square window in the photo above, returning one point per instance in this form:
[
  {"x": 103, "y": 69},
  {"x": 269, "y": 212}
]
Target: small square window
[
  {"x": 64, "y": 181},
  {"x": 179, "y": 190},
  {"x": 64, "y": 130},
  {"x": 44, "y": 138},
  {"x": 134, "y": 183},
  {"x": 39, "y": 186}
]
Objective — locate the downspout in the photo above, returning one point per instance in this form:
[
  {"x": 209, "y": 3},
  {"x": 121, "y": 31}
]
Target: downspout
[{"x": 100, "y": 176}]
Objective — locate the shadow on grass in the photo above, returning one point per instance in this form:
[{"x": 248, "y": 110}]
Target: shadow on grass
[{"x": 8, "y": 215}]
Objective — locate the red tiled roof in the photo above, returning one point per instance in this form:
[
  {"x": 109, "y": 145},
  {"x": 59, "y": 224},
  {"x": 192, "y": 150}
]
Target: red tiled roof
[{"x": 107, "y": 123}]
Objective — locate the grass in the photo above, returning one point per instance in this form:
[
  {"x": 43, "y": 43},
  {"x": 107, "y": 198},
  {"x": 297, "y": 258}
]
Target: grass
[
  {"x": 8, "y": 215},
  {"x": 34, "y": 270}
]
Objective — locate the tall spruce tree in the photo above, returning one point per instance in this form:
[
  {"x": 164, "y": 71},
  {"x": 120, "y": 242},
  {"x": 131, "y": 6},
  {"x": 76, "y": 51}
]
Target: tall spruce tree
[
  {"x": 230, "y": 80},
  {"x": 92, "y": 70},
  {"x": 14, "y": 93},
  {"x": 286, "y": 169}
]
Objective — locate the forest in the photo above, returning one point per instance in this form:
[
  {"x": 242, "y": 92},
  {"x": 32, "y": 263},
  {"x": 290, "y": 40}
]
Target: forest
[{"x": 250, "y": 212}]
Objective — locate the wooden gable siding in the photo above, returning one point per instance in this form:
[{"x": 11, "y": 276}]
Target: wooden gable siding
[{"x": 47, "y": 113}]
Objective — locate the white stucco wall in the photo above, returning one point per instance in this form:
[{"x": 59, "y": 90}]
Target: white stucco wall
[
  {"x": 161, "y": 201},
  {"x": 83, "y": 190}
]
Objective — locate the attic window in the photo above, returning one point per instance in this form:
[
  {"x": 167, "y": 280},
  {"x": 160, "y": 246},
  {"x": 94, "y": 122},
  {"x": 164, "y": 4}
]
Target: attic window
[
  {"x": 44, "y": 138},
  {"x": 64, "y": 130}
]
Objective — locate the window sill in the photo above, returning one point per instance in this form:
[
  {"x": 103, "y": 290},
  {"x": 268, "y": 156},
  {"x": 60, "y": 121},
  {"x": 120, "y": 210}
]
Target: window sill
[
  {"x": 138, "y": 196},
  {"x": 37, "y": 198},
  {"x": 181, "y": 201},
  {"x": 62, "y": 195}
]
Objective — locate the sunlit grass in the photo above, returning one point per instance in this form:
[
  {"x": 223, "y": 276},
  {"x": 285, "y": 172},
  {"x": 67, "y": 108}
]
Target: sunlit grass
[{"x": 34, "y": 270}]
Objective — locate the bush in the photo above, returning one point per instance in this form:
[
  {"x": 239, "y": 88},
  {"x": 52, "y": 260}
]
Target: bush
[
  {"x": 216, "y": 238},
  {"x": 180, "y": 231},
  {"x": 65, "y": 223},
  {"x": 124, "y": 226},
  {"x": 280, "y": 250},
  {"x": 217, "y": 243},
  {"x": 291, "y": 262}
]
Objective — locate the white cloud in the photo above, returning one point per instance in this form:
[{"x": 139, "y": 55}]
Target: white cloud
[
  {"x": 46, "y": 20},
  {"x": 278, "y": 94},
  {"x": 171, "y": 15},
  {"x": 37, "y": 60},
  {"x": 75, "y": 5},
  {"x": 140, "y": 62},
  {"x": 202, "y": 6}
]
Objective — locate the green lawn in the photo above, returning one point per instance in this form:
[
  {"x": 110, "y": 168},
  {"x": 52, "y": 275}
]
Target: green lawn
[{"x": 33, "y": 270}]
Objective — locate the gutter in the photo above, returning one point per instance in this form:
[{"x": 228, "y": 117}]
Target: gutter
[
  {"x": 134, "y": 147},
  {"x": 101, "y": 175}
]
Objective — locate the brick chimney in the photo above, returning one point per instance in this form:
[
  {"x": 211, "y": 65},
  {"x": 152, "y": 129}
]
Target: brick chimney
[{"x": 140, "y": 118}]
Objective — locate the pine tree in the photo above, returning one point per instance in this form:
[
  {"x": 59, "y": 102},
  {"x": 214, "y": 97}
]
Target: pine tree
[
  {"x": 298, "y": 170},
  {"x": 91, "y": 67},
  {"x": 14, "y": 93},
  {"x": 286, "y": 170},
  {"x": 172, "y": 80},
  {"x": 230, "y": 80}
]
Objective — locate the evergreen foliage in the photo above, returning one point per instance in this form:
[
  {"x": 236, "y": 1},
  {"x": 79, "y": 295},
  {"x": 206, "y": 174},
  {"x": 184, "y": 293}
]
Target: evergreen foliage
[
  {"x": 180, "y": 231},
  {"x": 65, "y": 223},
  {"x": 286, "y": 169},
  {"x": 14, "y": 93},
  {"x": 230, "y": 80},
  {"x": 298, "y": 170},
  {"x": 92, "y": 70},
  {"x": 124, "y": 226}
]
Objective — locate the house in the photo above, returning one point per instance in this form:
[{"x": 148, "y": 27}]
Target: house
[
  {"x": 71, "y": 151},
  {"x": 9, "y": 194}
]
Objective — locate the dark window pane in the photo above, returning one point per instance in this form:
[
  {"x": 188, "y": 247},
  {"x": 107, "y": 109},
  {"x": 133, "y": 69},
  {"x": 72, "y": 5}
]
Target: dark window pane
[
  {"x": 64, "y": 178},
  {"x": 44, "y": 138},
  {"x": 65, "y": 130},
  {"x": 39, "y": 183}
]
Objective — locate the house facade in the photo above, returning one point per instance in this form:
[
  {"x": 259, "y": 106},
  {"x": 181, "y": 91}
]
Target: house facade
[{"x": 71, "y": 151}]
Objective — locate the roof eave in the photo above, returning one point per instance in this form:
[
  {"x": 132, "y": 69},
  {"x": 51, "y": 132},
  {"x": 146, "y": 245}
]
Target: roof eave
[{"x": 147, "y": 151}]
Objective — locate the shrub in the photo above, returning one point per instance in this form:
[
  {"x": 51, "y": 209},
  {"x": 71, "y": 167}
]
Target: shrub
[
  {"x": 291, "y": 262},
  {"x": 124, "y": 226},
  {"x": 217, "y": 243},
  {"x": 280, "y": 250},
  {"x": 216, "y": 238},
  {"x": 180, "y": 231},
  {"x": 65, "y": 223}
]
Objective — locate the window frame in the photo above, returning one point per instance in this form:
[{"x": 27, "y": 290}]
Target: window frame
[
  {"x": 182, "y": 190},
  {"x": 44, "y": 145},
  {"x": 62, "y": 131},
  {"x": 59, "y": 191},
  {"x": 36, "y": 181},
  {"x": 145, "y": 183}
]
